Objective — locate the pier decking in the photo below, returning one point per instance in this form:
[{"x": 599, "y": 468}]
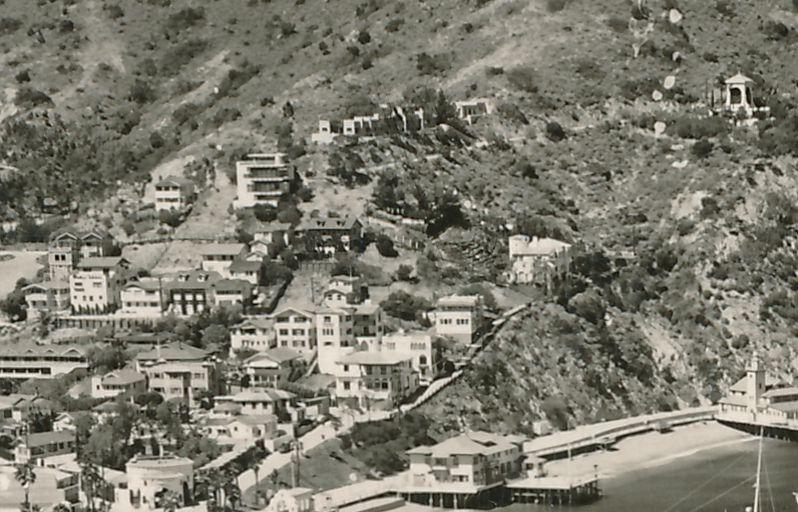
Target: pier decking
[{"x": 554, "y": 490}]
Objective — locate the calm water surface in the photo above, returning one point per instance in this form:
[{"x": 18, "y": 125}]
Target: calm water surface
[{"x": 720, "y": 479}]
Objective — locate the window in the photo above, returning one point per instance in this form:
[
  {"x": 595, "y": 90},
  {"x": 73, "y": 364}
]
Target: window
[
  {"x": 346, "y": 367},
  {"x": 284, "y": 332},
  {"x": 346, "y": 386}
]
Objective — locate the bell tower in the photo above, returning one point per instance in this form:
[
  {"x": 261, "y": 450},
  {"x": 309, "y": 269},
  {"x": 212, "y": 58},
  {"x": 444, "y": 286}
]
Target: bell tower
[{"x": 755, "y": 380}]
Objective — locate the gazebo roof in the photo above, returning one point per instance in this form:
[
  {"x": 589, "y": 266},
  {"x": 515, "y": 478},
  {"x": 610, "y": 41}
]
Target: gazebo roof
[{"x": 739, "y": 78}]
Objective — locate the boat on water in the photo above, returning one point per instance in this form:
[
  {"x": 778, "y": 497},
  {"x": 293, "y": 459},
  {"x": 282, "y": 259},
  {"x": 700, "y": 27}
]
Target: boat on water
[{"x": 757, "y": 505}]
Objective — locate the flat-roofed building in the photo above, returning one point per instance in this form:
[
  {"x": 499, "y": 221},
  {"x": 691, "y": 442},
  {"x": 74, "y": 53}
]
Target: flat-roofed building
[
  {"x": 262, "y": 178},
  {"x": 458, "y": 316},
  {"x": 419, "y": 346},
  {"x": 41, "y": 445},
  {"x": 147, "y": 479},
  {"x": 96, "y": 285},
  {"x": 335, "y": 337}
]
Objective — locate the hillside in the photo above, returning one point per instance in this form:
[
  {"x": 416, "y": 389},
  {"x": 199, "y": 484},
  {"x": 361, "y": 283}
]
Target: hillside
[{"x": 100, "y": 99}]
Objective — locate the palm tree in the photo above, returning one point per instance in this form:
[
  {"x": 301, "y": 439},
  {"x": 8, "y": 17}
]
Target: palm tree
[
  {"x": 169, "y": 500},
  {"x": 26, "y": 476},
  {"x": 91, "y": 481},
  {"x": 253, "y": 463},
  {"x": 232, "y": 491}
]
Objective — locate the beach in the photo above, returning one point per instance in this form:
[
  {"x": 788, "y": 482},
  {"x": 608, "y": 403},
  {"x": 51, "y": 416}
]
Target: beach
[
  {"x": 22, "y": 264},
  {"x": 649, "y": 450}
]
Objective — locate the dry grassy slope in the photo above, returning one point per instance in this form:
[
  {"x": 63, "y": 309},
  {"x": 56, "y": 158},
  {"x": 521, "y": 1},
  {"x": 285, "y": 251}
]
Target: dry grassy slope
[{"x": 582, "y": 68}]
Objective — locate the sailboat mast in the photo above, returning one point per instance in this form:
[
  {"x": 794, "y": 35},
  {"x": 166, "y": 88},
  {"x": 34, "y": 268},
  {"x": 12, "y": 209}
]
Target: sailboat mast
[{"x": 758, "y": 474}]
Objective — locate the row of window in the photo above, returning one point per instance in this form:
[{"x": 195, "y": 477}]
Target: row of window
[
  {"x": 457, "y": 321},
  {"x": 294, "y": 332}
]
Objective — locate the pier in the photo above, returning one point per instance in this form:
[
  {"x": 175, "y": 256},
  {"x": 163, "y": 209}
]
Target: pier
[{"x": 553, "y": 490}]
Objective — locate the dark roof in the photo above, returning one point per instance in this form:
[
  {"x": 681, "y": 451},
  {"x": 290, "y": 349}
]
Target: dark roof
[
  {"x": 328, "y": 223},
  {"x": 193, "y": 280},
  {"x": 222, "y": 249},
  {"x": 144, "y": 285},
  {"x": 173, "y": 352},
  {"x": 21, "y": 349},
  {"x": 244, "y": 266},
  {"x": 102, "y": 262},
  {"x": 45, "y": 438},
  {"x": 272, "y": 227},
  {"x": 232, "y": 285},
  {"x": 122, "y": 377},
  {"x": 175, "y": 180}
]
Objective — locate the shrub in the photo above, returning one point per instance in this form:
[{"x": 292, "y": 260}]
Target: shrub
[
  {"x": 402, "y": 305},
  {"x": 404, "y": 272},
  {"x": 385, "y": 246},
  {"x": 364, "y": 37},
  {"x": 23, "y": 76},
  {"x": 432, "y": 64},
  {"x": 184, "y": 19},
  {"x": 692, "y": 128},
  {"x": 9, "y": 26},
  {"x": 114, "y": 11},
  {"x": 265, "y": 212},
  {"x": 186, "y": 112},
  {"x": 171, "y": 218},
  {"x": 725, "y": 8},
  {"x": 141, "y": 92},
  {"x": 555, "y": 132},
  {"x": 618, "y": 24},
  {"x": 29, "y": 97},
  {"x": 177, "y": 57},
  {"x": 775, "y": 30},
  {"x": 523, "y": 78},
  {"x": 702, "y": 148},
  {"x": 395, "y": 24},
  {"x": 556, "y": 5}
]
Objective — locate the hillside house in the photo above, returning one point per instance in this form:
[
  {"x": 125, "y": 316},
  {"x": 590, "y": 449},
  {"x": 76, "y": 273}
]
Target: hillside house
[
  {"x": 142, "y": 298},
  {"x": 471, "y": 110},
  {"x": 68, "y": 246},
  {"x": 419, "y": 347},
  {"x": 458, "y": 317},
  {"x": 273, "y": 232},
  {"x": 539, "y": 261},
  {"x": 230, "y": 292},
  {"x": 262, "y": 178},
  {"x": 273, "y": 367},
  {"x": 179, "y": 372},
  {"x": 246, "y": 270},
  {"x": 335, "y": 337},
  {"x": 329, "y": 235},
  {"x": 174, "y": 193},
  {"x": 464, "y": 464},
  {"x": 46, "y": 297},
  {"x": 191, "y": 292},
  {"x": 96, "y": 285},
  {"x": 372, "y": 377},
  {"x": 256, "y": 401},
  {"x": 296, "y": 329},
  {"x": 253, "y": 334},
  {"x": 42, "y": 445},
  {"x": 118, "y": 382},
  {"x": 29, "y": 361},
  {"x": 220, "y": 257}
]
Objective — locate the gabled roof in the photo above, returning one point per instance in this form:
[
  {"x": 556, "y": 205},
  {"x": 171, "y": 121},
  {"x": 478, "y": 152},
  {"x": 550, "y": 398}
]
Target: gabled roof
[
  {"x": 292, "y": 310},
  {"x": 739, "y": 78},
  {"x": 102, "y": 262},
  {"x": 256, "y": 323},
  {"x": 174, "y": 352},
  {"x": 328, "y": 223},
  {"x": 475, "y": 443},
  {"x": 193, "y": 280},
  {"x": 232, "y": 249},
  {"x": 276, "y": 355},
  {"x": 265, "y": 395},
  {"x": 781, "y": 392},
  {"x": 48, "y": 285},
  {"x": 122, "y": 377},
  {"x": 30, "y": 349},
  {"x": 241, "y": 265},
  {"x": 741, "y": 386},
  {"x": 272, "y": 227},
  {"x": 45, "y": 438}
]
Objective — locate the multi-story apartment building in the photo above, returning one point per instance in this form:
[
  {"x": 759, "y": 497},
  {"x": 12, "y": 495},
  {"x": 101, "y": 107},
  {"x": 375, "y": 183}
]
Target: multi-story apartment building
[
  {"x": 67, "y": 247},
  {"x": 335, "y": 337},
  {"x": 262, "y": 178},
  {"x": 253, "y": 334},
  {"x": 229, "y": 292},
  {"x": 296, "y": 329},
  {"x": 118, "y": 382},
  {"x": 539, "y": 261},
  {"x": 219, "y": 257},
  {"x": 191, "y": 292},
  {"x": 96, "y": 284},
  {"x": 273, "y": 367},
  {"x": 178, "y": 371},
  {"x": 143, "y": 298},
  {"x": 174, "y": 193},
  {"x": 28, "y": 361},
  {"x": 372, "y": 377},
  {"x": 419, "y": 346},
  {"x": 256, "y": 401},
  {"x": 458, "y": 316},
  {"x": 41, "y": 445},
  {"x": 465, "y": 464},
  {"x": 367, "y": 322},
  {"x": 46, "y": 297},
  {"x": 328, "y": 235}
]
